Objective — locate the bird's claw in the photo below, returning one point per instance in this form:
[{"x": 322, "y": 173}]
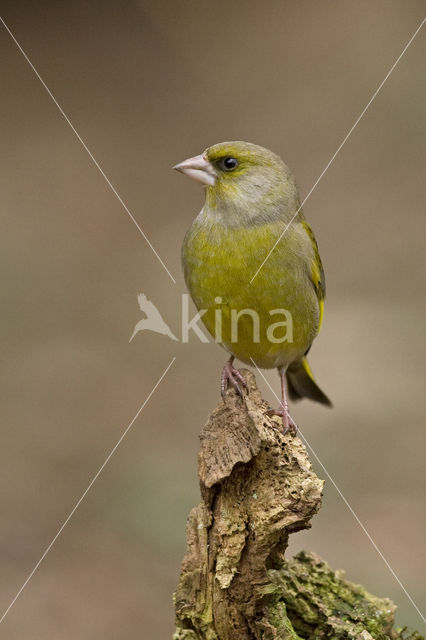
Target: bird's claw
[
  {"x": 231, "y": 376},
  {"x": 288, "y": 422}
]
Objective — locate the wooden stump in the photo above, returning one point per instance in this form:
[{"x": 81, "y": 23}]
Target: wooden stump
[{"x": 257, "y": 488}]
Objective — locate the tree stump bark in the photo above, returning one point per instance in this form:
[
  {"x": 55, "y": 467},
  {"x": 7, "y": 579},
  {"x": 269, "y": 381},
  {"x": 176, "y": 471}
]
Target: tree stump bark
[{"x": 258, "y": 487}]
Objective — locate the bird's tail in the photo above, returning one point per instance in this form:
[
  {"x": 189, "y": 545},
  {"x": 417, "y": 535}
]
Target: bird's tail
[{"x": 301, "y": 383}]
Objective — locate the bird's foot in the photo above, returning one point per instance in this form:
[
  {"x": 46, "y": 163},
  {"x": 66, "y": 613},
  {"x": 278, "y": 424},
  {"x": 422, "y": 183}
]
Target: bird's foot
[
  {"x": 288, "y": 422},
  {"x": 230, "y": 377}
]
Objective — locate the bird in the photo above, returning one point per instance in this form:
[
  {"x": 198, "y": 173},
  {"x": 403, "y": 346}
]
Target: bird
[
  {"x": 153, "y": 320},
  {"x": 248, "y": 254}
]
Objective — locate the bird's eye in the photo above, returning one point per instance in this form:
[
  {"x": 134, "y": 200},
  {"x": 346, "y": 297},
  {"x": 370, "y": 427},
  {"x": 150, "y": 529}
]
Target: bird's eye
[{"x": 228, "y": 163}]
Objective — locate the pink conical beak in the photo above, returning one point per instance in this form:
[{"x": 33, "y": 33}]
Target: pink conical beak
[{"x": 198, "y": 168}]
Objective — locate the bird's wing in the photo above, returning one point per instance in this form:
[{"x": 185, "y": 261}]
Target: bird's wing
[
  {"x": 154, "y": 320},
  {"x": 148, "y": 307},
  {"x": 317, "y": 271},
  {"x": 142, "y": 300}
]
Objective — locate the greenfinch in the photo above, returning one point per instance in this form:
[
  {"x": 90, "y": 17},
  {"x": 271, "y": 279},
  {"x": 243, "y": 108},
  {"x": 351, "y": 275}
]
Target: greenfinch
[{"x": 238, "y": 284}]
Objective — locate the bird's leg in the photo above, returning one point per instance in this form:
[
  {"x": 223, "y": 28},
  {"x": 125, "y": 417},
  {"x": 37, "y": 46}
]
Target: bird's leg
[
  {"x": 231, "y": 375},
  {"x": 282, "y": 410}
]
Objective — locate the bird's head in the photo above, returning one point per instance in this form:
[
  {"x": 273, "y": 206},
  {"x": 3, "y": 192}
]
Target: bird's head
[{"x": 243, "y": 179}]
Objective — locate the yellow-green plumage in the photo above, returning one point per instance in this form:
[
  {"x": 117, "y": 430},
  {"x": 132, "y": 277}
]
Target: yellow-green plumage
[{"x": 245, "y": 212}]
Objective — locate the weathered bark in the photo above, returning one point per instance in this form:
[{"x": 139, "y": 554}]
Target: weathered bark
[{"x": 257, "y": 487}]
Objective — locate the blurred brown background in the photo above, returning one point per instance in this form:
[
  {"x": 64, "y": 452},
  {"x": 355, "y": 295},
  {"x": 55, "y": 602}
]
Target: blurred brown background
[{"x": 148, "y": 84}]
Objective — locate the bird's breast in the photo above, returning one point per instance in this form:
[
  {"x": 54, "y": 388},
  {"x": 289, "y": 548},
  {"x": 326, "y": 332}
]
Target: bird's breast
[{"x": 220, "y": 267}]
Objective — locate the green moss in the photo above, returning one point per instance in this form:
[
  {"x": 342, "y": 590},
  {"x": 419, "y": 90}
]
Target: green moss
[
  {"x": 281, "y": 625},
  {"x": 322, "y": 604}
]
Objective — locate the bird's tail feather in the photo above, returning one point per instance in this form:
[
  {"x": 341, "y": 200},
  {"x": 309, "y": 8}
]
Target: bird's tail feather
[{"x": 301, "y": 383}]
